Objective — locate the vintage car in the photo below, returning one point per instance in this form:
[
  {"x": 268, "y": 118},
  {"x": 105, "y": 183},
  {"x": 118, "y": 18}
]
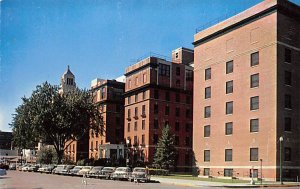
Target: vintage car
[
  {"x": 106, "y": 172},
  {"x": 121, "y": 173},
  {"x": 140, "y": 174},
  {"x": 33, "y": 168},
  {"x": 75, "y": 170},
  {"x": 67, "y": 169},
  {"x": 95, "y": 171},
  {"x": 84, "y": 170},
  {"x": 2, "y": 172},
  {"x": 58, "y": 169}
]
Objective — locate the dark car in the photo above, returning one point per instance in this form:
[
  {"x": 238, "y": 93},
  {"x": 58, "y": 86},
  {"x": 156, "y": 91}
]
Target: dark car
[{"x": 95, "y": 171}]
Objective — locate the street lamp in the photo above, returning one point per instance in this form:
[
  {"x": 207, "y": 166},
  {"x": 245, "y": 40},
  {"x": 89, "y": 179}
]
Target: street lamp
[
  {"x": 127, "y": 152},
  {"x": 280, "y": 160},
  {"x": 261, "y": 177}
]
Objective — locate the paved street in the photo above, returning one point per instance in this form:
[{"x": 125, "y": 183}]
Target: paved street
[{"x": 21, "y": 180}]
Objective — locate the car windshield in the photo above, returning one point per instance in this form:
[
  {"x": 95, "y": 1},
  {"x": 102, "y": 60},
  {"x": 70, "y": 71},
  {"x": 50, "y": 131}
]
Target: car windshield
[
  {"x": 69, "y": 166},
  {"x": 87, "y": 168},
  {"x": 107, "y": 169},
  {"x": 121, "y": 169},
  {"x": 77, "y": 168},
  {"x": 139, "y": 170},
  {"x": 97, "y": 168}
]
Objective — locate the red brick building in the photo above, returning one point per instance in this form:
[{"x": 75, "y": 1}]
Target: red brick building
[
  {"x": 158, "y": 93},
  {"x": 108, "y": 94},
  {"x": 246, "y": 91}
]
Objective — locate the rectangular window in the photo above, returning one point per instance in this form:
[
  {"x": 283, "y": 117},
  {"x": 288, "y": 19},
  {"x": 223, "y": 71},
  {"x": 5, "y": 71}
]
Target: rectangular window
[
  {"x": 207, "y": 92},
  {"x": 229, "y": 67},
  {"x": 136, "y": 112},
  {"x": 254, "y": 80},
  {"x": 229, "y": 87},
  {"x": 228, "y": 128},
  {"x": 288, "y": 78},
  {"x": 287, "y": 124},
  {"x": 228, "y": 154},
  {"x": 136, "y": 81},
  {"x": 143, "y": 124},
  {"x": 206, "y": 172},
  {"x": 255, "y": 173},
  {"x": 177, "y": 112},
  {"x": 207, "y": 131},
  {"x": 288, "y": 101},
  {"x": 206, "y": 155},
  {"x": 187, "y": 127},
  {"x": 229, "y": 107},
  {"x": 128, "y": 127},
  {"x": 144, "y": 95},
  {"x": 177, "y": 126},
  {"x": 156, "y": 95},
  {"x": 135, "y": 126},
  {"x": 155, "y": 123},
  {"x": 254, "y": 103},
  {"x": 144, "y": 78},
  {"x": 254, "y": 59},
  {"x": 129, "y": 113},
  {"x": 189, "y": 75},
  {"x": 187, "y": 141},
  {"x": 164, "y": 70},
  {"x": 135, "y": 140},
  {"x": 287, "y": 154},
  {"x": 167, "y": 110},
  {"x": 136, "y": 97},
  {"x": 254, "y": 125},
  {"x": 207, "y": 111},
  {"x": 188, "y": 113},
  {"x": 177, "y": 98},
  {"x": 167, "y": 96},
  {"x": 143, "y": 139},
  {"x": 155, "y": 108},
  {"x": 129, "y": 100},
  {"x": 228, "y": 172},
  {"x": 144, "y": 110},
  {"x": 207, "y": 73},
  {"x": 288, "y": 56},
  {"x": 178, "y": 71},
  {"x": 253, "y": 154}
]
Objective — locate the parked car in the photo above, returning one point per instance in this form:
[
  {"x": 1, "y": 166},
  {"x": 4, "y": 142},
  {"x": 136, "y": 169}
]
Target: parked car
[
  {"x": 42, "y": 168},
  {"x": 121, "y": 173},
  {"x": 12, "y": 166},
  {"x": 75, "y": 170},
  {"x": 2, "y": 172},
  {"x": 106, "y": 172},
  {"x": 58, "y": 169},
  {"x": 4, "y": 166},
  {"x": 67, "y": 169},
  {"x": 33, "y": 168},
  {"x": 25, "y": 167},
  {"x": 84, "y": 170},
  {"x": 95, "y": 171},
  {"x": 140, "y": 174},
  {"x": 49, "y": 168}
]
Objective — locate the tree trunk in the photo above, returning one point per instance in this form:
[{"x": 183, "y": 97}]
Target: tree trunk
[{"x": 60, "y": 155}]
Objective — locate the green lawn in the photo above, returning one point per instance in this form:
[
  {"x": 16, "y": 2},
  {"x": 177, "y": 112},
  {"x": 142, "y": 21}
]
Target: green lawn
[{"x": 190, "y": 177}]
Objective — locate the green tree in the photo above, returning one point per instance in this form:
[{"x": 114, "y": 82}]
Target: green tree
[
  {"x": 47, "y": 156},
  {"x": 50, "y": 116},
  {"x": 165, "y": 151}
]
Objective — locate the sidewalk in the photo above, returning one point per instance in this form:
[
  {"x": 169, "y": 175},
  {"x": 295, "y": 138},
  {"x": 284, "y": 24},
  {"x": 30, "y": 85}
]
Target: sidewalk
[{"x": 196, "y": 183}]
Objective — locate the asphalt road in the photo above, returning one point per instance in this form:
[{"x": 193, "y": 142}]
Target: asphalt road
[{"x": 27, "y": 180}]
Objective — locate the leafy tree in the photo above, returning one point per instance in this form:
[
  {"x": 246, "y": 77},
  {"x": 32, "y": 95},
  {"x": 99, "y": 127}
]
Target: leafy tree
[
  {"x": 47, "y": 156},
  {"x": 50, "y": 116},
  {"x": 165, "y": 151}
]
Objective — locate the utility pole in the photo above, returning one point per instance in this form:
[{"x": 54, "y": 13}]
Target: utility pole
[{"x": 280, "y": 159}]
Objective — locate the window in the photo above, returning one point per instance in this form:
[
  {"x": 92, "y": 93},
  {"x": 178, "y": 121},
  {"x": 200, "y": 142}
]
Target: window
[
  {"x": 287, "y": 154},
  {"x": 288, "y": 56},
  {"x": 167, "y": 110},
  {"x": 228, "y": 172},
  {"x": 228, "y": 154},
  {"x": 135, "y": 140},
  {"x": 136, "y": 98},
  {"x": 207, "y": 131},
  {"x": 177, "y": 112},
  {"x": 155, "y": 108},
  {"x": 103, "y": 93},
  {"x": 176, "y": 140},
  {"x": 254, "y": 80},
  {"x": 177, "y": 98},
  {"x": 155, "y": 139},
  {"x": 229, "y": 107},
  {"x": 255, "y": 173},
  {"x": 187, "y": 141},
  {"x": 135, "y": 126},
  {"x": 96, "y": 147},
  {"x": 143, "y": 139},
  {"x": 155, "y": 123},
  {"x": 254, "y": 59},
  {"x": 189, "y": 75},
  {"x": 177, "y": 83},
  {"x": 254, "y": 103},
  {"x": 254, "y": 125},
  {"x": 143, "y": 124},
  {"x": 206, "y": 155},
  {"x": 167, "y": 96},
  {"x": 207, "y": 111},
  {"x": 188, "y": 113},
  {"x": 229, "y": 67},
  {"x": 156, "y": 95},
  {"x": 178, "y": 71},
  {"x": 253, "y": 154},
  {"x": 136, "y": 112},
  {"x": 288, "y": 101},
  {"x": 229, "y": 87},
  {"x": 207, "y": 92},
  {"x": 287, "y": 124},
  {"x": 128, "y": 127},
  {"x": 228, "y": 128},
  {"x": 129, "y": 113},
  {"x": 164, "y": 70},
  {"x": 144, "y": 95},
  {"x": 187, "y": 127},
  {"x": 206, "y": 172},
  {"x": 144, "y": 78},
  {"x": 129, "y": 84},
  {"x": 207, "y": 73},
  {"x": 287, "y": 77},
  {"x": 188, "y": 99},
  {"x": 144, "y": 110},
  {"x": 129, "y": 100},
  {"x": 92, "y": 145},
  {"x": 136, "y": 81},
  {"x": 177, "y": 126},
  {"x": 176, "y": 55}
]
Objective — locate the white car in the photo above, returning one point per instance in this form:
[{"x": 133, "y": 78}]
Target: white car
[
  {"x": 2, "y": 172},
  {"x": 85, "y": 170},
  {"x": 140, "y": 174},
  {"x": 121, "y": 173}
]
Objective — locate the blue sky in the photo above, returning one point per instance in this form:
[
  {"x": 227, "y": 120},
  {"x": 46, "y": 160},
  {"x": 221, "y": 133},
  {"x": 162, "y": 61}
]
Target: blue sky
[{"x": 97, "y": 38}]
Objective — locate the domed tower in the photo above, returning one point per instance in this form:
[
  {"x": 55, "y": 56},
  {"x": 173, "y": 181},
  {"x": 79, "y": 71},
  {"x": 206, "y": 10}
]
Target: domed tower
[{"x": 67, "y": 81}]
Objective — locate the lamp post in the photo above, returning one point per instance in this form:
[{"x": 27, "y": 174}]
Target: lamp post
[
  {"x": 127, "y": 152},
  {"x": 261, "y": 177},
  {"x": 280, "y": 157}
]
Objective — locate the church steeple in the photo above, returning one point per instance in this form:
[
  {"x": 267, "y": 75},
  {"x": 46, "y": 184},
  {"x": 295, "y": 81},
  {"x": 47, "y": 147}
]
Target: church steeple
[{"x": 67, "y": 81}]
